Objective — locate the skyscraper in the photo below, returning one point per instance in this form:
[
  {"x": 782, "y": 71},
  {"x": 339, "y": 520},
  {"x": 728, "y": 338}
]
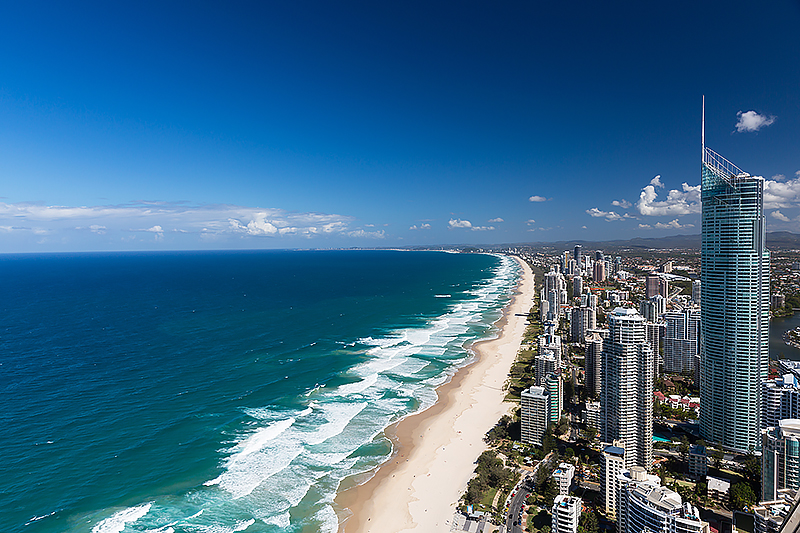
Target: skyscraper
[
  {"x": 681, "y": 340},
  {"x": 735, "y": 308},
  {"x": 627, "y": 387}
]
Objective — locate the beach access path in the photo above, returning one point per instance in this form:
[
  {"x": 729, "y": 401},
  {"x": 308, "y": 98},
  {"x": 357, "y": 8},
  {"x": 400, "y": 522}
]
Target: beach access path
[{"x": 435, "y": 450}]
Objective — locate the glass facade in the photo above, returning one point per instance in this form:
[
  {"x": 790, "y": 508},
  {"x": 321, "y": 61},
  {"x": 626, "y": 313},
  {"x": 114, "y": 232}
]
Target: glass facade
[{"x": 735, "y": 309}]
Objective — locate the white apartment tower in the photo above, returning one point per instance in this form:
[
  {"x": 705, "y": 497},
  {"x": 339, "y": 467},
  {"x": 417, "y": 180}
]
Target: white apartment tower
[
  {"x": 566, "y": 513},
  {"x": 627, "y": 387},
  {"x": 535, "y": 405}
]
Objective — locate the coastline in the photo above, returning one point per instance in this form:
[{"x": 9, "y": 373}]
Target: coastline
[{"x": 418, "y": 488}]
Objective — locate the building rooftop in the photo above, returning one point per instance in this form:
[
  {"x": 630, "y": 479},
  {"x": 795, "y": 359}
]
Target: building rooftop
[{"x": 614, "y": 450}]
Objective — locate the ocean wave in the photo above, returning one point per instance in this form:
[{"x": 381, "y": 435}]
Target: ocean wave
[{"x": 116, "y": 522}]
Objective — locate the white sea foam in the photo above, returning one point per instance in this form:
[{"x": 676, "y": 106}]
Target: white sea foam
[
  {"x": 338, "y": 416},
  {"x": 261, "y": 437},
  {"x": 244, "y": 473},
  {"x": 359, "y": 386},
  {"x": 116, "y": 522},
  {"x": 328, "y": 521},
  {"x": 281, "y": 520}
]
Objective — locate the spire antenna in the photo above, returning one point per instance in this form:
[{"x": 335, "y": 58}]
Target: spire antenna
[{"x": 703, "y": 130}]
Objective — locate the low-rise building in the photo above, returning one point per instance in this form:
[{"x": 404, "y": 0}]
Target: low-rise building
[
  {"x": 566, "y": 514},
  {"x": 718, "y": 488},
  {"x": 563, "y": 476}
]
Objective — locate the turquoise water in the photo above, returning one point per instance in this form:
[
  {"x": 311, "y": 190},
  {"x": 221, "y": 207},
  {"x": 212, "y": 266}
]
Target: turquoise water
[{"x": 220, "y": 392}]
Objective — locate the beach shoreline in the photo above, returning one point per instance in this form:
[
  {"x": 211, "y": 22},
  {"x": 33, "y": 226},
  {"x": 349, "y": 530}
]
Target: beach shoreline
[{"x": 418, "y": 488}]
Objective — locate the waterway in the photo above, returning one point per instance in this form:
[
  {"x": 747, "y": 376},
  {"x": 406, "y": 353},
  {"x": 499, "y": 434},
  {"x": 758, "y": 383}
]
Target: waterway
[{"x": 777, "y": 347}]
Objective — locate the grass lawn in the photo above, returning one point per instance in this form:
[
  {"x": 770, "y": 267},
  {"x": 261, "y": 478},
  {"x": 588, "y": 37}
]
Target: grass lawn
[{"x": 488, "y": 498}]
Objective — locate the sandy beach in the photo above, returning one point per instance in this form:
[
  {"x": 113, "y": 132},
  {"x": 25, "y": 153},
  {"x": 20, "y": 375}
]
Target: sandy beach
[{"x": 435, "y": 451}]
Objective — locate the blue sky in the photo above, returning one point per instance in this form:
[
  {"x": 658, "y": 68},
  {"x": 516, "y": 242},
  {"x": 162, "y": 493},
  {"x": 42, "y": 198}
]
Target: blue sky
[{"x": 150, "y": 126}]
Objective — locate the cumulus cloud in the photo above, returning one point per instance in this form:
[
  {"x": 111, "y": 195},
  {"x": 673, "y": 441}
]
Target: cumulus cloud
[
  {"x": 752, "y": 121},
  {"x": 625, "y": 204},
  {"x": 656, "y": 182},
  {"x": 482, "y": 228},
  {"x": 608, "y": 215},
  {"x": 781, "y": 194},
  {"x": 684, "y": 202},
  {"x": 780, "y": 216},
  {"x": 537, "y": 199},
  {"x": 458, "y": 223},
  {"x": 531, "y": 221},
  {"x": 645, "y": 226},
  {"x": 673, "y": 224},
  {"x": 496, "y": 220},
  {"x": 421, "y": 226}
]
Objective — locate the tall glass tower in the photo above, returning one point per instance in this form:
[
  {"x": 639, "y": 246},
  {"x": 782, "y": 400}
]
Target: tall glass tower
[{"x": 735, "y": 308}]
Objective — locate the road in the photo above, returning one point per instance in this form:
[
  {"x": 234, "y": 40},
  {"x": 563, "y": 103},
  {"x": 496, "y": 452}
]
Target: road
[{"x": 523, "y": 489}]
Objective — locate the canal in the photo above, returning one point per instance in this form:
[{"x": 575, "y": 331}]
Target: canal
[{"x": 777, "y": 348}]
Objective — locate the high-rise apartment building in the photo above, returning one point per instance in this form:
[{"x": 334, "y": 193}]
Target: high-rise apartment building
[
  {"x": 534, "y": 416},
  {"x": 652, "y": 286},
  {"x": 644, "y": 505},
  {"x": 577, "y": 285},
  {"x": 599, "y": 271},
  {"x": 594, "y": 362},
  {"x": 681, "y": 340},
  {"x": 576, "y": 255},
  {"x": 627, "y": 387},
  {"x": 780, "y": 399},
  {"x": 613, "y": 464},
  {"x": 735, "y": 303},
  {"x": 582, "y": 320},
  {"x": 554, "y": 388},
  {"x": 780, "y": 458}
]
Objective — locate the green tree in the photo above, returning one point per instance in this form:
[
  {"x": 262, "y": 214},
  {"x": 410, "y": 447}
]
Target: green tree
[
  {"x": 550, "y": 492},
  {"x": 741, "y": 495},
  {"x": 717, "y": 456},
  {"x": 588, "y": 523}
]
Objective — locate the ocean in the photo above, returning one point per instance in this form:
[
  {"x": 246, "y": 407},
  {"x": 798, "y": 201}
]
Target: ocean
[{"x": 214, "y": 392}]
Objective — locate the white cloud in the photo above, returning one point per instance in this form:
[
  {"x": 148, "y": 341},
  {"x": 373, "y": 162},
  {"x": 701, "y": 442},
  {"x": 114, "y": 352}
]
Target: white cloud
[
  {"x": 584, "y": 227},
  {"x": 645, "y": 226},
  {"x": 752, "y": 121},
  {"x": 360, "y": 233},
  {"x": 780, "y": 216},
  {"x": 482, "y": 228},
  {"x": 677, "y": 202},
  {"x": 96, "y": 228},
  {"x": 673, "y": 224},
  {"x": 537, "y": 199},
  {"x": 656, "y": 182},
  {"x": 781, "y": 193},
  {"x": 531, "y": 221},
  {"x": 458, "y": 223},
  {"x": 779, "y": 177},
  {"x": 608, "y": 215},
  {"x": 625, "y": 204},
  {"x": 496, "y": 220},
  {"x": 421, "y": 226}
]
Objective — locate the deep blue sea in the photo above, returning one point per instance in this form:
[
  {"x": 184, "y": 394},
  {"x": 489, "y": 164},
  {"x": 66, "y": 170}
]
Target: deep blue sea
[{"x": 220, "y": 391}]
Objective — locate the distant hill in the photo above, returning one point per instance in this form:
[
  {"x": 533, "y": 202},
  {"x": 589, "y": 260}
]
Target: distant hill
[{"x": 776, "y": 240}]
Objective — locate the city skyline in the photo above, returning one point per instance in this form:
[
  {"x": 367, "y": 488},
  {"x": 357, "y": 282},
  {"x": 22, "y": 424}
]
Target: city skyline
[{"x": 295, "y": 126}]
